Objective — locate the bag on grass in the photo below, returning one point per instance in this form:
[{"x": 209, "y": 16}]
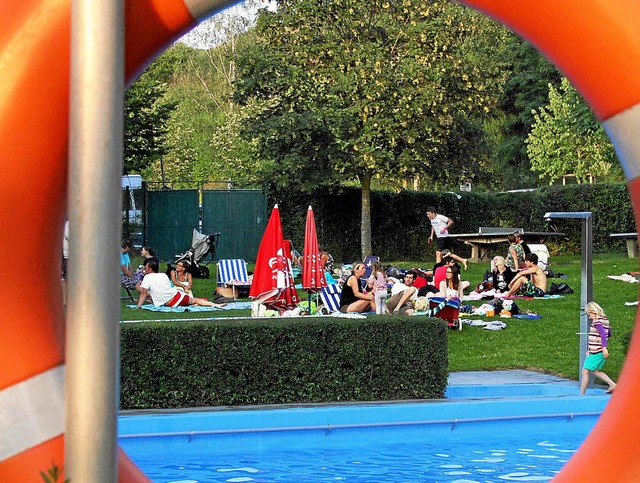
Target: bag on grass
[
  {"x": 396, "y": 272},
  {"x": 560, "y": 289}
]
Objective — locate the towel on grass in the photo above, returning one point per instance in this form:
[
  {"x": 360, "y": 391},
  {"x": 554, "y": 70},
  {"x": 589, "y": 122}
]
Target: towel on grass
[
  {"x": 524, "y": 297},
  {"x": 527, "y": 316},
  {"x": 193, "y": 308},
  {"x": 624, "y": 277},
  {"x": 486, "y": 324}
]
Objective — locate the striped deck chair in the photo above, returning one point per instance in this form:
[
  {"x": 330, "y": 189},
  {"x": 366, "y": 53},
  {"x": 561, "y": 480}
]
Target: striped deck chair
[
  {"x": 232, "y": 273},
  {"x": 330, "y": 296}
]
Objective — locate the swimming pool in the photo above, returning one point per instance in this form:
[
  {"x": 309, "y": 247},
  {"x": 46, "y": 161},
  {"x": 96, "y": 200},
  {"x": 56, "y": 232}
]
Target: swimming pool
[{"x": 459, "y": 440}]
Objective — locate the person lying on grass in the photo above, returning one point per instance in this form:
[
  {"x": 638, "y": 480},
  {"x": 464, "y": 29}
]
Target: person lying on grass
[
  {"x": 158, "y": 286},
  {"x": 535, "y": 286}
]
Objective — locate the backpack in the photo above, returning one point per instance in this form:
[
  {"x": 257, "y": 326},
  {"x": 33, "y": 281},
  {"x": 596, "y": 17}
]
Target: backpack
[
  {"x": 560, "y": 289},
  {"x": 396, "y": 272}
]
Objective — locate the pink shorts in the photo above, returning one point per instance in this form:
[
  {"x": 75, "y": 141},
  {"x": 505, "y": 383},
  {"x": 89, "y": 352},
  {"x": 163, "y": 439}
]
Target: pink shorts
[{"x": 180, "y": 299}]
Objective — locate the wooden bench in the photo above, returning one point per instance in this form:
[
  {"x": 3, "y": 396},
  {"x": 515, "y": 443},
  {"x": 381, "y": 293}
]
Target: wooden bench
[{"x": 632, "y": 242}]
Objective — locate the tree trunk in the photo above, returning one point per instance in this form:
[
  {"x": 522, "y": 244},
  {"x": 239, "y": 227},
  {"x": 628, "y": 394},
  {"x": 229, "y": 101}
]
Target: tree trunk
[{"x": 365, "y": 221}]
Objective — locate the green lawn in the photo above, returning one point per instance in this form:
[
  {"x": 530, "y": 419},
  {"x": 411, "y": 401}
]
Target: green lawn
[{"x": 549, "y": 344}]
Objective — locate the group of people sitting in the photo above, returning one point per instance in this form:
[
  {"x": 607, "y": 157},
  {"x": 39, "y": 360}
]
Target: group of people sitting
[
  {"x": 161, "y": 289},
  {"x": 376, "y": 296},
  {"x": 517, "y": 274}
]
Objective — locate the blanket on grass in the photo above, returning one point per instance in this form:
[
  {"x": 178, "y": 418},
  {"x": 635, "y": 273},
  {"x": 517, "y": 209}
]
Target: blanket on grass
[
  {"x": 473, "y": 296},
  {"x": 194, "y": 308}
]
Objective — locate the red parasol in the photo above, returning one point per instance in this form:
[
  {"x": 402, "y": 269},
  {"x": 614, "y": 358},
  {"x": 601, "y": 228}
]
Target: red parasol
[
  {"x": 273, "y": 283},
  {"x": 312, "y": 270}
]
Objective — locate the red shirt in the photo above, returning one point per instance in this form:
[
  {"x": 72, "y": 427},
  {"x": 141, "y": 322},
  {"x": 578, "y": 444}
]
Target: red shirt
[{"x": 439, "y": 275}]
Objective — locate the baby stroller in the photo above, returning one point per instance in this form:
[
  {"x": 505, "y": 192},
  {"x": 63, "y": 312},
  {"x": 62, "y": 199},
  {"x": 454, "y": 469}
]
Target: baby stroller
[{"x": 201, "y": 246}]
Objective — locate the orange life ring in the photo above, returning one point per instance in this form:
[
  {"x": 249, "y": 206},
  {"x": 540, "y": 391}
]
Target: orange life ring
[
  {"x": 595, "y": 42},
  {"x": 34, "y": 120}
]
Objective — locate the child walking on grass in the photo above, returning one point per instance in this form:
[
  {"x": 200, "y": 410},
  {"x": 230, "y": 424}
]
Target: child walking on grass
[
  {"x": 599, "y": 333},
  {"x": 378, "y": 280}
]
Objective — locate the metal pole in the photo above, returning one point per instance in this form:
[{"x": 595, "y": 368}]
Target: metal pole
[
  {"x": 95, "y": 153},
  {"x": 586, "y": 274},
  {"x": 586, "y": 287}
]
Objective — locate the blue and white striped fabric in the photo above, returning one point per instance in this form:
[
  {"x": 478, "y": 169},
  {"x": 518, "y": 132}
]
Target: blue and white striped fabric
[
  {"x": 330, "y": 296},
  {"x": 232, "y": 272}
]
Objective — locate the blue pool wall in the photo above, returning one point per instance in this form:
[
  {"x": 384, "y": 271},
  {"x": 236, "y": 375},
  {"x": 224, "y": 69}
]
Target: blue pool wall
[{"x": 345, "y": 425}]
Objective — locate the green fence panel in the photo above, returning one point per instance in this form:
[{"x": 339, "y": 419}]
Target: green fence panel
[
  {"x": 240, "y": 218},
  {"x": 171, "y": 217}
]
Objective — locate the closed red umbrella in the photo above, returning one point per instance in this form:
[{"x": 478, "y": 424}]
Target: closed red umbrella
[
  {"x": 272, "y": 283},
  {"x": 312, "y": 270}
]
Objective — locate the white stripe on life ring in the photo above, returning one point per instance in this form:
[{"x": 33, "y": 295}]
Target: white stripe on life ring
[
  {"x": 31, "y": 412},
  {"x": 624, "y": 131}
]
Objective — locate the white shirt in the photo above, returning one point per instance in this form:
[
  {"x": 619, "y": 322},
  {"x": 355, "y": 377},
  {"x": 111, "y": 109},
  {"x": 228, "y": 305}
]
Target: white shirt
[
  {"x": 399, "y": 287},
  {"x": 439, "y": 223},
  {"x": 159, "y": 287}
]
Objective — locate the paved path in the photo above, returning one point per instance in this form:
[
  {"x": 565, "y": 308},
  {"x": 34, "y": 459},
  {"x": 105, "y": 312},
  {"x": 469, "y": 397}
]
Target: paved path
[{"x": 504, "y": 377}]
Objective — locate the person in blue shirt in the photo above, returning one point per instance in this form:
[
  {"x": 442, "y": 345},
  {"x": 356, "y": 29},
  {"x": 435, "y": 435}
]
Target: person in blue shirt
[{"x": 128, "y": 278}]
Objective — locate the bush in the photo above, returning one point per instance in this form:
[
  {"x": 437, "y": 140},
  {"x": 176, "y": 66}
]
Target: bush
[
  {"x": 297, "y": 360},
  {"x": 400, "y": 229}
]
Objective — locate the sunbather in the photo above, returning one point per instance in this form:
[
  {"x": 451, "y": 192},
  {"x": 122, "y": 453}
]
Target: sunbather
[
  {"x": 352, "y": 299},
  {"x": 536, "y": 286},
  {"x": 181, "y": 278},
  {"x": 127, "y": 276},
  {"x": 158, "y": 286},
  {"x": 452, "y": 287},
  {"x": 501, "y": 275},
  {"x": 403, "y": 295}
]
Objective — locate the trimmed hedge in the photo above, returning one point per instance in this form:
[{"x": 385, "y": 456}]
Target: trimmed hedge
[
  {"x": 400, "y": 228},
  {"x": 297, "y": 360}
]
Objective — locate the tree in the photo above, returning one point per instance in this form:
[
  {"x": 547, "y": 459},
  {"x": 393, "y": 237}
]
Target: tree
[
  {"x": 357, "y": 89},
  {"x": 201, "y": 83},
  {"x": 146, "y": 114},
  {"x": 566, "y": 138},
  {"x": 526, "y": 89}
]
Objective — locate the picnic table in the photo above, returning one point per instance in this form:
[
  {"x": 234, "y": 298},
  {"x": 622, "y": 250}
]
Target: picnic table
[
  {"x": 486, "y": 237},
  {"x": 632, "y": 245}
]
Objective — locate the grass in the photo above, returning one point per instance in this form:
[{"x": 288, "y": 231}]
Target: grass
[{"x": 549, "y": 344}]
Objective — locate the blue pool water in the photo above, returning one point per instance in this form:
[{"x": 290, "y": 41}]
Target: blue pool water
[{"x": 459, "y": 440}]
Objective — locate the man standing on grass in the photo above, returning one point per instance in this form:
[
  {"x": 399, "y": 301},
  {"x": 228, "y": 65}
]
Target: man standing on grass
[
  {"x": 158, "y": 286},
  {"x": 440, "y": 225}
]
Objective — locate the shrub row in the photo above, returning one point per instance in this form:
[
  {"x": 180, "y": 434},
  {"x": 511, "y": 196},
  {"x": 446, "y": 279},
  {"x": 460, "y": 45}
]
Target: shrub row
[
  {"x": 400, "y": 228},
  {"x": 298, "y": 360}
]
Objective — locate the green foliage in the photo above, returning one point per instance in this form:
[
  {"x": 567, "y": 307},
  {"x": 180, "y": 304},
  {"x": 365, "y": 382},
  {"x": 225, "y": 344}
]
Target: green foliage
[
  {"x": 360, "y": 89},
  {"x": 526, "y": 89},
  {"x": 53, "y": 475},
  {"x": 145, "y": 123},
  {"x": 172, "y": 365},
  {"x": 566, "y": 138},
  {"x": 400, "y": 227}
]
